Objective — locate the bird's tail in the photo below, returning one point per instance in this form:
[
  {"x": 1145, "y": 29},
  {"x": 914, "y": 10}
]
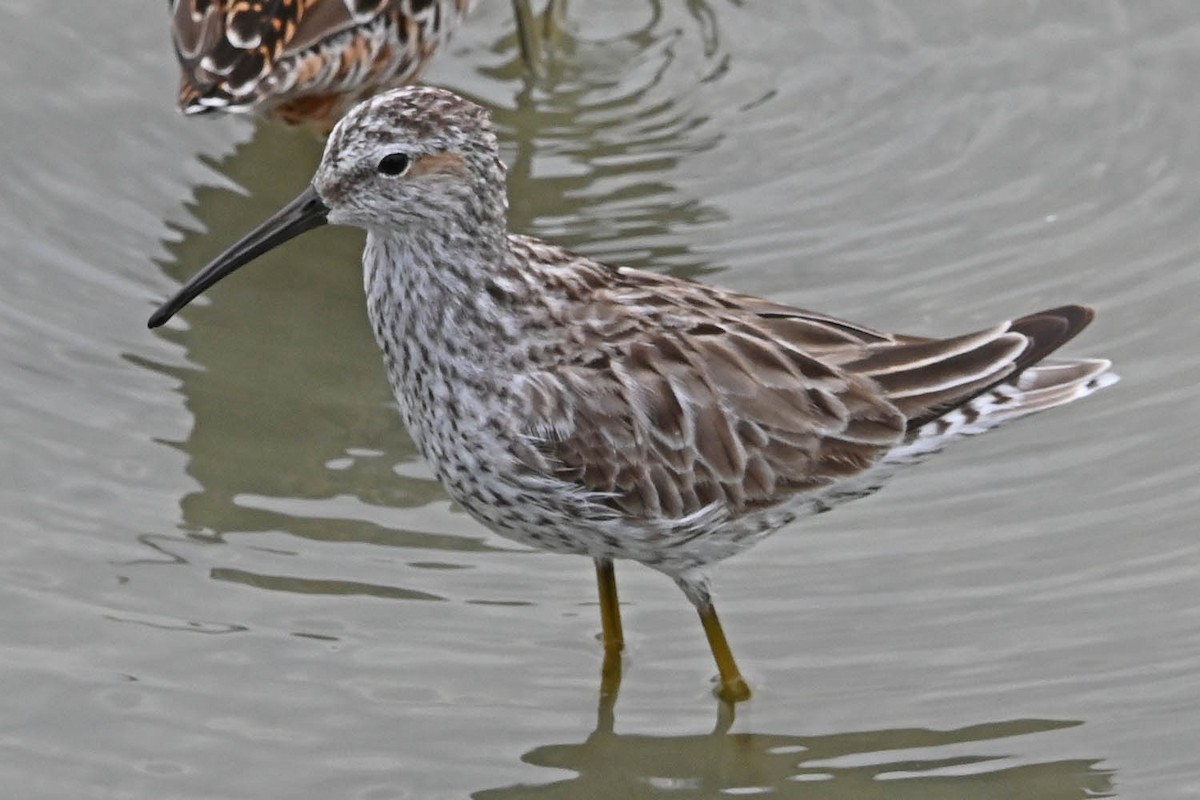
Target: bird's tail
[{"x": 989, "y": 378}]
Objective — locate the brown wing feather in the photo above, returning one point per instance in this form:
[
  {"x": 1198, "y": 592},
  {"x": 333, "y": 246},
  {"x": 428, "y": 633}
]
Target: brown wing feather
[
  {"x": 323, "y": 19},
  {"x": 690, "y": 395},
  {"x": 705, "y": 404},
  {"x": 927, "y": 378}
]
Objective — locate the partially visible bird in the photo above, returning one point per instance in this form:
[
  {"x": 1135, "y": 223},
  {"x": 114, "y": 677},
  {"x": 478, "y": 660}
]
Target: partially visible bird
[
  {"x": 303, "y": 61},
  {"x": 614, "y": 413}
]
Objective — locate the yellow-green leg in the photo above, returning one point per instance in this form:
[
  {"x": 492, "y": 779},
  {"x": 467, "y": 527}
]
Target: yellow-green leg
[
  {"x": 610, "y": 609},
  {"x": 734, "y": 688},
  {"x": 610, "y": 625}
]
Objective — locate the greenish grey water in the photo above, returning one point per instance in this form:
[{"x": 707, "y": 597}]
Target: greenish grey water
[{"x": 226, "y": 574}]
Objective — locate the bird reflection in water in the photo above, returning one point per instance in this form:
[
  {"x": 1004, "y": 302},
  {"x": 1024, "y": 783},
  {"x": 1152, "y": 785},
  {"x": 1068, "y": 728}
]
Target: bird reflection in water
[{"x": 860, "y": 764}]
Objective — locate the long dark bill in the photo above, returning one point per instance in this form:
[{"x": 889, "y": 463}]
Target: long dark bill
[{"x": 304, "y": 213}]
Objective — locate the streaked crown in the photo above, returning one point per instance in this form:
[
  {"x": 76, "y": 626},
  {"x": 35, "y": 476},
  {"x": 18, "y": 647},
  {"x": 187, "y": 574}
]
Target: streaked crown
[{"x": 415, "y": 155}]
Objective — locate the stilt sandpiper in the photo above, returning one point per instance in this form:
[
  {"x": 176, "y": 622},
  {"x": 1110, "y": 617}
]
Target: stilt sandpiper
[{"x": 614, "y": 413}]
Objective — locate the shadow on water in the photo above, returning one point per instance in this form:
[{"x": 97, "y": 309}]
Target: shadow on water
[{"x": 893, "y": 763}]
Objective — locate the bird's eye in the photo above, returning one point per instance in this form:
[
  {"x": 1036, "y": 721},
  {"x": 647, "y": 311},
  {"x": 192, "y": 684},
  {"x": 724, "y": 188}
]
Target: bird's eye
[{"x": 394, "y": 164}]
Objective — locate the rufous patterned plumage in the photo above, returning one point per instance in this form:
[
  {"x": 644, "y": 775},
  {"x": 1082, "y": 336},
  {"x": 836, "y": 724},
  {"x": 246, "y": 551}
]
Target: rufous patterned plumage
[{"x": 303, "y": 61}]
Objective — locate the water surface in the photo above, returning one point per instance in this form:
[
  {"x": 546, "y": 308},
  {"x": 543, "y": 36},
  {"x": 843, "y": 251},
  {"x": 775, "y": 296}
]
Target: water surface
[{"x": 227, "y": 574}]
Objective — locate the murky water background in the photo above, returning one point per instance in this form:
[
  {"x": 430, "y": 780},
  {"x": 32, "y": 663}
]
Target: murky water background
[{"x": 225, "y": 574}]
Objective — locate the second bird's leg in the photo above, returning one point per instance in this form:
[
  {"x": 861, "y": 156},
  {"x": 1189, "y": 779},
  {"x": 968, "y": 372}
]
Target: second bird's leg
[
  {"x": 554, "y": 20},
  {"x": 531, "y": 35},
  {"x": 734, "y": 688},
  {"x": 528, "y": 38}
]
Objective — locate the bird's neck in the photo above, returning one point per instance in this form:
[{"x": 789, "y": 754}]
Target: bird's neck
[
  {"x": 434, "y": 303},
  {"x": 447, "y": 341},
  {"x": 423, "y": 277}
]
